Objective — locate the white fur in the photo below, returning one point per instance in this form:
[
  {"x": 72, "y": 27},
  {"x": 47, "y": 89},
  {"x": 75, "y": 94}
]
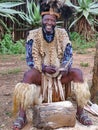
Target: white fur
[
  {"x": 82, "y": 93},
  {"x": 26, "y": 95}
]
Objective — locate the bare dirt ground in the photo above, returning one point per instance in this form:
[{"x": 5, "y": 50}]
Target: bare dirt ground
[{"x": 12, "y": 69}]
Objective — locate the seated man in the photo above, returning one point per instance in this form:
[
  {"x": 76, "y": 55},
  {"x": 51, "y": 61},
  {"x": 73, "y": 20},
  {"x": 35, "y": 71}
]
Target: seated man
[{"x": 49, "y": 55}]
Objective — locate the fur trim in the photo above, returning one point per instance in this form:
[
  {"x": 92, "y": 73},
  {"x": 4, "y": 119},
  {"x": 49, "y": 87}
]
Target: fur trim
[
  {"x": 26, "y": 95},
  {"x": 82, "y": 93}
]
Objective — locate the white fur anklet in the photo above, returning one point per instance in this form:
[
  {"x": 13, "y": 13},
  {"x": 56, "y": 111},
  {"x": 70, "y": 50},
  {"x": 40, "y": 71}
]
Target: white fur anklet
[
  {"x": 26, "y": 95},
  {"x": 82, "y": 93}
]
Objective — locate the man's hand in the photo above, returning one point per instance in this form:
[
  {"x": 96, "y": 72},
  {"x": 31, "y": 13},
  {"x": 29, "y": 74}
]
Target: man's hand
[{"x": 49, "y": 69}]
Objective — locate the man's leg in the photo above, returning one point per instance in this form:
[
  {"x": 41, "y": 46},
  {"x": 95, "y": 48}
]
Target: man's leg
[
  {"x": 32, "y": 76},
  {"x": 21, "y": 120},
  {"x": 81, "y": 90},
  {"x": 82, "y": 93}
]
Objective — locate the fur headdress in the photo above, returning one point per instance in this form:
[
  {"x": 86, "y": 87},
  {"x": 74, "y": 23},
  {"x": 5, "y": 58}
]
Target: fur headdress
[{"x": 55, "y": 7}]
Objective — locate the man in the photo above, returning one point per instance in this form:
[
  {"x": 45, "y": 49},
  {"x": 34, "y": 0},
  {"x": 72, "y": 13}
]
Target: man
[{"x": 49, "y": 55}]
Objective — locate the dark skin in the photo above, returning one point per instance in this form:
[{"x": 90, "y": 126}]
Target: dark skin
[
  {"x": 73, "y": 74},
  {"x": 33, "y": 76}
]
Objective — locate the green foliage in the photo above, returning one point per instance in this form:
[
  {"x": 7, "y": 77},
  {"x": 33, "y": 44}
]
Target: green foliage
[
  {"x": 11, "y": 71},
  {"x": 7, "y": 46},
  {"x": 84, "y": 64},
  {"x": 7, "y": 11},
  {"x": 32, "y": 16},
  {"x": 87, "y": 9},
  {"x": 11, "y": 0},
  {"x": 18, "y": 47},
  {"x": 80, "y": 44},
  {"x": 8, "y": 113},
  {"x": 23, "y": 58}
]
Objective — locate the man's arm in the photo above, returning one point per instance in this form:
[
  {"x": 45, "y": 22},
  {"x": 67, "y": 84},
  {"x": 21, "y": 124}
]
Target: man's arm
[
  {"x": 30, "y": 61},
  {"x": 68, "y": 53},
  {"x": 29, "y": 57}
]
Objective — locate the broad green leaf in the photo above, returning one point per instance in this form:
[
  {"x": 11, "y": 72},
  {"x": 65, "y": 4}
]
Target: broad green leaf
[
  {"x": 94, "y": 11},
  {"x": 4, "y": 25},
  {"x": 72, "y": 5},
  {"x": 90, "y": 22},
  {"x": 96, "y": 22},
  {"x": 77, "y": 19},
  {"x": 80, "y": 2},
  {"x": 93, "y": 3},
  {"x": 9, "y": 11},
  {"x": 33, "y": 13},
  {"x": 10, "y": 4},
  {"x": 86, "y": 13},
  {"x": 2, "y": 15},
  {"x": 93, "y": 6}
]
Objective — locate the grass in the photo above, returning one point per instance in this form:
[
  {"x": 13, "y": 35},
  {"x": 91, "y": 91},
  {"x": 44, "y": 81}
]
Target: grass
[
  {"x": 84, "y": 64},
  {"x": 4, "y": 57},
  {"x": 80, "y": 45},
  {"x": 82, "y": 48},
  {"x": 9, "y": 114},
  {"x": 22, "y": 58},
  {"x": 13, "y": 58},
  {"x": 11, "y": 71}
]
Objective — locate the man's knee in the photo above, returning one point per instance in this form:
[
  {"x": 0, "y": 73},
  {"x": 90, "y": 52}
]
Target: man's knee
[
  {"x": 32, "y": 76},
  {"x": 27, "y": 77},
  {"x": 76, "y": 74}
]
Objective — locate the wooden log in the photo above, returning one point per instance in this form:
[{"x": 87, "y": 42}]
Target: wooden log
[
  {"x": 54, "y": 115},
  {"x": 94, "y": 87}
]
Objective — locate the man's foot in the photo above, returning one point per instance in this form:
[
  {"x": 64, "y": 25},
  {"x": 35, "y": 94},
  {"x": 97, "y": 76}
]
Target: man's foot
[
  {"x": 19, "y": 123},
  {"x": 83, "y": 118}
]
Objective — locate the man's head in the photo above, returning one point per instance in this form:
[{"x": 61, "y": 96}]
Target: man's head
[
  {"x": 59, "y": 8},
  {"x": 48, "y": 23}
]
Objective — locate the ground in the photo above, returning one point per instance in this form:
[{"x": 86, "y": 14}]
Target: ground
[{"x": 12, "y": 69}]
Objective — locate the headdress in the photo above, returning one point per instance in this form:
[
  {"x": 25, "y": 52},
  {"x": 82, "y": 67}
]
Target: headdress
[{"x": 55, "y": 7}]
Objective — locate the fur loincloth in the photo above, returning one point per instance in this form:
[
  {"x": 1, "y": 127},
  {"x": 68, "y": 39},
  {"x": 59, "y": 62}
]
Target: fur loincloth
[{"x": 52, "y": 89}]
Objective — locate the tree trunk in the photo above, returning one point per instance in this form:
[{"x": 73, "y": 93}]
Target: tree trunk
[
  {"x": 1, "y": 31},
  {"x": 94, "y": 87}
]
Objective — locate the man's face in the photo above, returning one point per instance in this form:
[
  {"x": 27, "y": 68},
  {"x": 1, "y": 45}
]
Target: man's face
[{"x": 49, "y": 23}]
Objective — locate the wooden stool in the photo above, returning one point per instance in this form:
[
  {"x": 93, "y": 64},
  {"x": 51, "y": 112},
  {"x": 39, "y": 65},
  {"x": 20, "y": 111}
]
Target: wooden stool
[{"x": 54, "y": 115}]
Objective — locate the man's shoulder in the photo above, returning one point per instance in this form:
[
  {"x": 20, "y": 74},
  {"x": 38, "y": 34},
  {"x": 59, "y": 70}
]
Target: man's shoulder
[
  {"x": 32, "y": 34},
  {"x": 62, "y": 31},
  {"x": 33, "y": 31}
]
